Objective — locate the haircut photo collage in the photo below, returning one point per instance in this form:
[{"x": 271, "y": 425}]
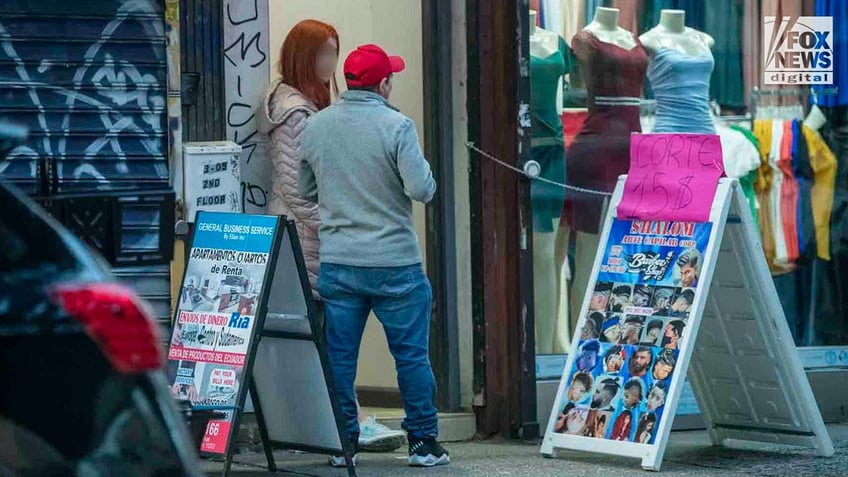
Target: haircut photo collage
[{"x": 627, "y": 354}]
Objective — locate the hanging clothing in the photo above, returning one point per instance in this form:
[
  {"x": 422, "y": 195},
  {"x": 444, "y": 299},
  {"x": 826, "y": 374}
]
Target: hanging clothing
[
  {"x": 590, "y": 7},
  {"x": 601, "y": 151},
  {"x": 694, "y": 11},
  {"x": 630, "y": 12},
  {"x": 752, "y": 24},
  {"x": 741, "y": 160},
  {"x": 552, "y": 16},
  {"x": 838, "y": 9},
  {"x": 536, "y": 6},
  {"x": 804, "y": 175},
  {"x": 789, "y": 195},
  {"x": 749, "y": 180},
  {"x": 776, "y": 8},
  {"x": 823, "y": 163},
  {"x": 573, "y": 18},
  {"x": 781, "y": 252},
  {"x": 723, "y": 21},
  {"x": 681, "y": 85},
  {"x": 548, "y": 145}
]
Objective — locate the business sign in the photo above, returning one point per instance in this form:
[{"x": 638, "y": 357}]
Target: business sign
[
  {"x": 672, "y": 177},
  {"x": 671, "y": 298},
  {"x": 213, "y": 177},
  {"x": 798, "y": 50},
  {"x": 640, "y": 307},
  {"x": 223, "y": 291}
]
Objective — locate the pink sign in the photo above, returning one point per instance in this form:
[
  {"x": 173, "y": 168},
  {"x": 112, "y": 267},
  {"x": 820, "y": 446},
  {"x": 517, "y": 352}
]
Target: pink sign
[{"x": 672, "y": 177}]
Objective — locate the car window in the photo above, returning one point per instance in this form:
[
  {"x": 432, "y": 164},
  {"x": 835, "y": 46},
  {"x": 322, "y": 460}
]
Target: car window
[{"x": 28, "y": 244}]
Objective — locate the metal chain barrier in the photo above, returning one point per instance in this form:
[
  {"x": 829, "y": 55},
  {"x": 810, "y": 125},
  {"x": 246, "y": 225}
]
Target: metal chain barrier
[{"x": 471, "y": 146}]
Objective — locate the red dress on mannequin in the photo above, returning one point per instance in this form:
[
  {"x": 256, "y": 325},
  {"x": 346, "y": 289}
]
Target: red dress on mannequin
[{"x": 601, "y": 150}]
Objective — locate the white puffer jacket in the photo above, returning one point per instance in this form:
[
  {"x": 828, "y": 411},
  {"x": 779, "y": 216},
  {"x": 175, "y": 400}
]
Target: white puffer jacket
[{"x": 282, "y": 118}]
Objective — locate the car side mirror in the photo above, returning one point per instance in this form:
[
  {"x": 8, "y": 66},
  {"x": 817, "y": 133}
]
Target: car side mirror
[{"x": 11, "y": 136}]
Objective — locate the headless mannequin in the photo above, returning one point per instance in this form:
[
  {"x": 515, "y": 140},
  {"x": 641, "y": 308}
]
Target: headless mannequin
[
  {"x": 605, "y": 28},
  {"x": 546, "y": 284},
  {"x": 672, "y": 33},
  {"x": 543, "y": 43}
]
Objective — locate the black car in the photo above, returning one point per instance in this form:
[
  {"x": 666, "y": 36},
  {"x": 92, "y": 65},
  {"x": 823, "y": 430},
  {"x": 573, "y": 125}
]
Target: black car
[{"x": 82, "y": 390}]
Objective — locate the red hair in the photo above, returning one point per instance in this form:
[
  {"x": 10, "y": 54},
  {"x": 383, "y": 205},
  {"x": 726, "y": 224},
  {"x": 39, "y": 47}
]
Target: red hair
[{"x": 298, "y": 58}]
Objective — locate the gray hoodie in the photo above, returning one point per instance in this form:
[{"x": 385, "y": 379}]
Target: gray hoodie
[{"x": 362, "y": 162}]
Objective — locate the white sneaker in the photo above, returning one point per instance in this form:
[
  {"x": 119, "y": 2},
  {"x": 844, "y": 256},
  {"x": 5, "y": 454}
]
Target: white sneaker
[{"x": 376, "y": 437}]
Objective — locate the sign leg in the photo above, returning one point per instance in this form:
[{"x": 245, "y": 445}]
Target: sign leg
[
  {"x": 548, "y": 450},
  {"x": 652, "y": 463},
  {"x": 228, "y": 464},
  {"x": 263, "y": 429}
]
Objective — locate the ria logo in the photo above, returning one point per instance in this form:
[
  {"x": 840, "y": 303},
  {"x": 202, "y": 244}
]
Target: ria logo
[{"x": 798, "y": 50}]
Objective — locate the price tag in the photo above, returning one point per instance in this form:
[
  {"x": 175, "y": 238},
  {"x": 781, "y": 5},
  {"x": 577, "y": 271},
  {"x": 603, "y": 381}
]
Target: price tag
[{"x": 672, "y": 177}]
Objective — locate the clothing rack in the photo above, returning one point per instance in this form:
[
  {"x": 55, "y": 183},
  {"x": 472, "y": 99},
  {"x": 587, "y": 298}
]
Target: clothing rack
[{"x": 757, "y": 93}]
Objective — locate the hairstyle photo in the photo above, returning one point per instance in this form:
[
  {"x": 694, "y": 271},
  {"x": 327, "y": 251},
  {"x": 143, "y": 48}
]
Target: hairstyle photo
[
  {"x": 588, "y": 358},
  {"x": 614, "y": 359},
  {"x": 642, "y": 295},
  {"x": 620, "y": 297},
  {"x": 611, "y": 329},
  {"x": 688, "y": 268},
  {"x": 652, "y": 332},
  {"x": 600, "y": 296},
  {"x": 664, "y": 364},
  {"x": 645, "y": 429},
  {"x": 593, "y": 325},
  {"x": 682, "y": 304}
]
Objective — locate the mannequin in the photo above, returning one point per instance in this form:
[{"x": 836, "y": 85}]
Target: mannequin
[
  {"x": 605, "y": 28},
  {"x": 673, "y": 33},
  {"x": 549, "y": 61},
  {"x": 680, "y": 70},
  {"x": 543, "y": 43},
  {"x": 615, "y": 65}
]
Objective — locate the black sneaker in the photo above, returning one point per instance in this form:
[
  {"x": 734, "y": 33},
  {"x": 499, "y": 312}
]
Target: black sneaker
[
  {"x": 340, "y": 461},
  {"x": 427, "y": 453}
]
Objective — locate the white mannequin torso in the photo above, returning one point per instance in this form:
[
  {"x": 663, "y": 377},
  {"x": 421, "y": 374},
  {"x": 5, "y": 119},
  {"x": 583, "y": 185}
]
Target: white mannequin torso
[
  {"x": 671, "y": 33},
  {"x": 605, "y": 28},
  {"x": 543, "y": 43}
]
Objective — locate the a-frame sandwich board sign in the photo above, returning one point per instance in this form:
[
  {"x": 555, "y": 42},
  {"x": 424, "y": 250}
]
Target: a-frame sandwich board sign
[
  {"x": 703, "y": 304},
  {"x": 292, "y": 388},
  {"x": 221, "y": 307},
  {"x": 246, "y": 320}
]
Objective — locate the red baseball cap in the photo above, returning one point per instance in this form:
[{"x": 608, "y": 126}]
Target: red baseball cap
[{"x": 368, "y": 65}]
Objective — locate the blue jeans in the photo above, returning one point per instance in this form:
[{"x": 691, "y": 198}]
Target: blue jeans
[{"x": 400, "y": 297}]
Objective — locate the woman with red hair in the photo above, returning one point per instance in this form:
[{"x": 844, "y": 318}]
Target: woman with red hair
[{"x": 308, "y": 60}]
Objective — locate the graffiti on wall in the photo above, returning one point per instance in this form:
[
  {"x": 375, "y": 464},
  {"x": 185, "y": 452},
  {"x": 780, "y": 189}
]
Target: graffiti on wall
[
  {"x": 95, "y": 104},
  {"x": 246, "y": 72}
]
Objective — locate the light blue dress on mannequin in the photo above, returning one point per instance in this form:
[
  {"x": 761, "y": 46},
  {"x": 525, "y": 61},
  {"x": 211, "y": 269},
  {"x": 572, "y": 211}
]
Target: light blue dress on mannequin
[{"x": 681, "y": 85}]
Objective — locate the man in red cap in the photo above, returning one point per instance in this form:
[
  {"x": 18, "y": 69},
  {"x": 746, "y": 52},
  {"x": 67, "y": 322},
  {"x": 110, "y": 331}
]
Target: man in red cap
[{"x": 362, "y": 163}]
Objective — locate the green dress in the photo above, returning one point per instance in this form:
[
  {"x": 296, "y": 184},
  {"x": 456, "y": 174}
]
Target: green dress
[{"x": 548, "y": 145}]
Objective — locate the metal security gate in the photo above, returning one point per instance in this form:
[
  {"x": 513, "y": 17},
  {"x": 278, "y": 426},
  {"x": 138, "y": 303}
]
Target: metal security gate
[{"x": 89, "y": 78}]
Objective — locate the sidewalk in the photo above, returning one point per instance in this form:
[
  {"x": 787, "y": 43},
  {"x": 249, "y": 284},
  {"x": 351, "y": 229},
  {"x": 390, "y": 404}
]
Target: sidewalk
[{"x": 688, "y": 454}]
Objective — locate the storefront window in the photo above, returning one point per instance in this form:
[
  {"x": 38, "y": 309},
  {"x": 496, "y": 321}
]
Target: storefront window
[{"x": 601, "y": 70}]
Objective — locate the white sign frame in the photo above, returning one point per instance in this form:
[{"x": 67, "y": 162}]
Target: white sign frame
[{"x": 804, "y": 427}]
